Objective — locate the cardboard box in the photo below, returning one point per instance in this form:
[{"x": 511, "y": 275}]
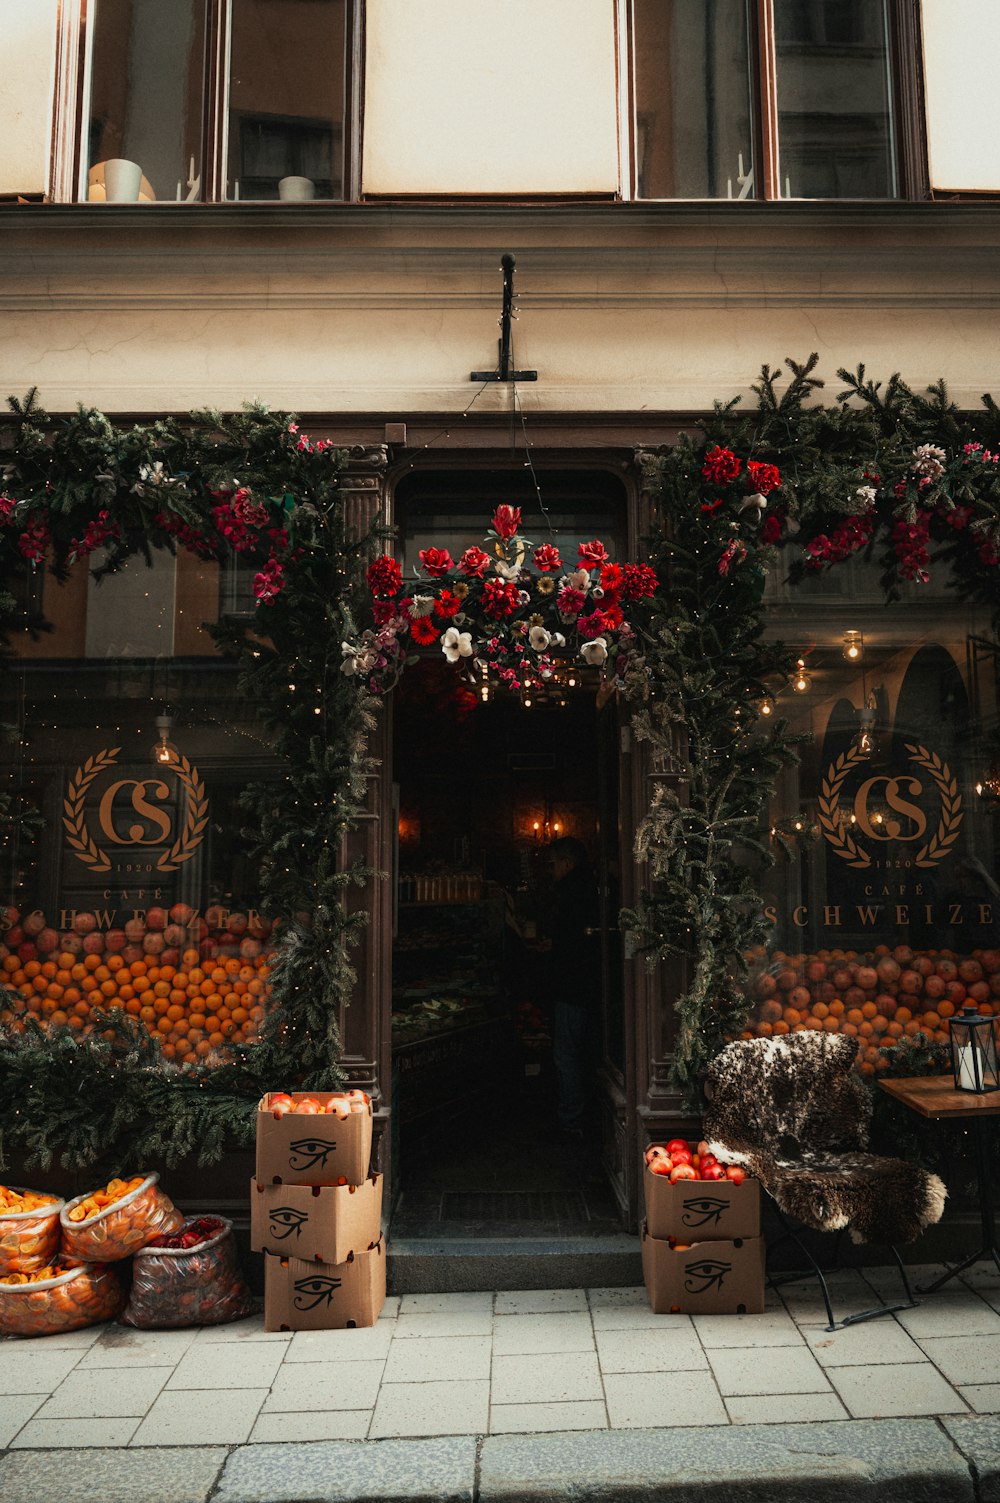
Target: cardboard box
[
  {"x": 301, "y": 1296},
  {"x": 312, "y": 1150},
  {"x": 707, "y": 1278},
  {"x": 316, "y": 1223},
  {"x": 699, "y": 1208}
]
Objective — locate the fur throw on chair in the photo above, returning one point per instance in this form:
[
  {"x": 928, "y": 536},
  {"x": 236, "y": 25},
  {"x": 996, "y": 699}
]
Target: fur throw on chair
[{"x": 792, "y": 1110}]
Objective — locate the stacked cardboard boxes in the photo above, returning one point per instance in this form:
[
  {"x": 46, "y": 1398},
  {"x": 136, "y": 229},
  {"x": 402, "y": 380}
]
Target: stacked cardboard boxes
[
  {"x": 702, "y": 1252},
  {"x": 316, "y": 1215}
]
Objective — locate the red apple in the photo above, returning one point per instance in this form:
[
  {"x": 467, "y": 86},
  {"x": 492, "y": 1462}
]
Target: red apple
[
  {"x": 735, "y": 1173},
  {"x": 33, "y": 923},
  {"x": 84, "y": 923},
  {"x": 713, "y": 1171},
  {"x": 93, "y": 944},
  {"x": 677, "y": 1143},
  {"x": 47, "y": 941},
  {"x": 682, "y": 1171},
  {"x": 156, "y": 918}
]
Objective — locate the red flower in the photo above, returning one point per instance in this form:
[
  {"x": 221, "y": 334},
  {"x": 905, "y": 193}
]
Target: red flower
[
  {"x": 447, "y": 605},
  {"x": 35, "y": 539},
  {"x": 640, "y": 580},
  {"x": 612, "y": 579},
  {"x": 721, "y": 466},
  {"x": 546, "y": 557},
  {"x": 436, "y": 561},
  {"x": 384, "y": 576},
  {"x": 474, "y": 562},
  {"x": 570, "y": 602},
  {"x": 770, "y": 531},
  {"x": 591, "y": 554},
  {"x": 592, "y": 625},
  {"x": 733, "y": 553},
  {"x": 499, "y": 598},
  {"x": 423, "y": 631},
  {"x": 613, "y": 616},
  {"x": 383, "y": 611},
  {"x": 506, "y": 521},
  {"x": 762, "y": 478}
]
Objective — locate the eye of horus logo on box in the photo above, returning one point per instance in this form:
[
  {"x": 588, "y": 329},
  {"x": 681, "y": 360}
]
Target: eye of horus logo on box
[{"x": 134, "y": 812}]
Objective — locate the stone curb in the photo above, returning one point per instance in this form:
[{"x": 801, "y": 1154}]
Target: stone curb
[{"x": 954, "y": 1460}]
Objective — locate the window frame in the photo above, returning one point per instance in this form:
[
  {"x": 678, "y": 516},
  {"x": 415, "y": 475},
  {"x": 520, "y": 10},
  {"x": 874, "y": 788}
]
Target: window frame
[{"x": 74, "y": 44}]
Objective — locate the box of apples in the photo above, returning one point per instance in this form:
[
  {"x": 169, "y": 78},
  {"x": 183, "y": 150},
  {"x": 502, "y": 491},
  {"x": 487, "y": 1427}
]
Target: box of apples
[
  {"x": 690, "y": 1195},
  {"x": 703, "y": 1278},
  {"x": 316, "y": 1223},
  {"x": 313, "y": 1138},
  {"x": 303, "y": 1296}
]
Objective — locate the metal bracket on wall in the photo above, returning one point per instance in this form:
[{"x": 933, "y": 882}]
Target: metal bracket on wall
[{"x": 503, "y": 371}]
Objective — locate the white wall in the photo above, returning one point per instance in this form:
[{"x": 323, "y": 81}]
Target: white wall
[
  {"x": 27, "y": 82},
  {"x": 490, "y": 96},
  {"x": 961, "y": 52}
]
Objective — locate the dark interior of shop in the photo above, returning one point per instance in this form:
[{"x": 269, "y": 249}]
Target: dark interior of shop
[{"x": 484, "y": 788}]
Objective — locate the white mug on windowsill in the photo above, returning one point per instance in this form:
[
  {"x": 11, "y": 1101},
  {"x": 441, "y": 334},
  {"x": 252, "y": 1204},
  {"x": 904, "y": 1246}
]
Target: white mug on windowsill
[
  {"x": 122, "y": 181},
  {"x": 296, "y": 188}
]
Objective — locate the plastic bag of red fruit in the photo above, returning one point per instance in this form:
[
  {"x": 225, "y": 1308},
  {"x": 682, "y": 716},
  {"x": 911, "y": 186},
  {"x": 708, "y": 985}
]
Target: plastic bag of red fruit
[
  {"x": 678, "y": 1160},
  {"x": 188, "y": 1278}
]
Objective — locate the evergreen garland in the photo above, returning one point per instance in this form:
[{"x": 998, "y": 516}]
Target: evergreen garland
[
  {"x": 902, "y": 477},
  {"x": 251, "y": 483}
]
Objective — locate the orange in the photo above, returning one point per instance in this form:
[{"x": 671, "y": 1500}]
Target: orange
[
  {"x": 11, "y": 963},
  {"x": 189, "y": 957},
  {"x": 138, "y": 968},
  {"x": 32, "y": 969},
  {"x": 231, "y": 966},
  {"x": 167, "y": 972},
  {"x": 114, "y": 963},
  {"x": 91, "y": 962},
  {"x": 160, "y": 1005},
  {"x": 869, "y": 1010},
  {"x": 147, "y": 1014},
  {"x": 49, "y": 968},
  {"x": 196, "y": 1019},
  {"x": 831, "y": 1025},
  {"x": 132, "y": 1006},
  {"x": 174, "y": 1012},
  {"x": 168, "y": 1050},
  {"x": 161, "y": 988}
]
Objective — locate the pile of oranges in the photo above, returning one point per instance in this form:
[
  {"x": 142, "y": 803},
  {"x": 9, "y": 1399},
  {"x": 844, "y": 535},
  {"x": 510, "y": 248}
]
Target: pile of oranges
[
  {"x": 98, "y": 1200},
  {"x": 16, "y": 1202},
  {"x": 193, "y": 1007},
  {"x": 879, "y": 997},
  {"x": 52, "y": 1272}
]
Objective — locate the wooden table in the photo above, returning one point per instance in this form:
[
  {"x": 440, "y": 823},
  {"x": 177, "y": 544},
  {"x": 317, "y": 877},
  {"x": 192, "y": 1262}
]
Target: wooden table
[{"x": 936, "y": 1096}]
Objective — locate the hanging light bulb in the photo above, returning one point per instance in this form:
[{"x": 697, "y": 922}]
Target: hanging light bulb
[
  {"x": 864, "y": 737},
  {"x": 165, "y": 753},
  {"x": 854, "y": 646},
  {"x": 801, "y": 682},
  {"x": 766, "y": 706}
]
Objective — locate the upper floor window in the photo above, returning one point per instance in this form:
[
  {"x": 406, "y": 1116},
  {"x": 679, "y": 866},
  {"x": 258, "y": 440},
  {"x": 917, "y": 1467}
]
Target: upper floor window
[
  {"x": 214, "y": 100},
  {"x": 763, "y": 99}
]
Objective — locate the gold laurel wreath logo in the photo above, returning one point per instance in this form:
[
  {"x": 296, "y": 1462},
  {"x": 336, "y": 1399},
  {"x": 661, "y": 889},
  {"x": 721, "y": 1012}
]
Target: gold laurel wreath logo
[
  {"x": 946, "y": 833},
  {"x": 77, "y": 834},
  {"x": 86, "y": 848},
  {"x": 838, "y": 835}
]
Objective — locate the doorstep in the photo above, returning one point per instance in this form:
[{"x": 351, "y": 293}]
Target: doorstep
[{"x": 444, "y": 1265}]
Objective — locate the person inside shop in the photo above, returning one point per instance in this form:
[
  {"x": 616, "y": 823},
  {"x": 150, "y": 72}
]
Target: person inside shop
[{"x": 574, "y": 964}]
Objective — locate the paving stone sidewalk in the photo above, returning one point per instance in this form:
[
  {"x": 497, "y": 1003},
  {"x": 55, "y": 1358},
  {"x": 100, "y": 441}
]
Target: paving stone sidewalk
[{"x": 537, "y": 1394}]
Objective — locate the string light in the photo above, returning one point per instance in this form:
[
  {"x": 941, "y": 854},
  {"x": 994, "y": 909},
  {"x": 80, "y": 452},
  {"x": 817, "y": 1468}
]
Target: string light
[
  {"x": 854, "y": 646},
  {"x": 801, "y": 681}
]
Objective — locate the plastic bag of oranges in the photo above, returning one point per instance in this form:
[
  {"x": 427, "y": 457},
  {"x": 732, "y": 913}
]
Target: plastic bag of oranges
[
  {"x": 29, "y": 1229},
  {"x": 188, "y": 1278},
  {"x": 115, "y": 1222},
  {"x": 58, "y": 1298}
]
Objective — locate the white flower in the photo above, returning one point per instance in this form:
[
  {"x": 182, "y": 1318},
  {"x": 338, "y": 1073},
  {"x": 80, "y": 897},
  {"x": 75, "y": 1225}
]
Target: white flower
[
  {"x": 456, "y": 644},
  {"x": 353, "y": 659},
  {"x": 539, "y": 638},
  {"x": 507, "y": 571},
  {"x": 595, "y": 653},
  {"x": 422, "y": 605},
  {"x": 558, "y": 640},
  {"x": 928, "y": 459},
  {"x": 579, "y": 580},
  {"x": 866, "y": 495},
  {"x": 756, "y": 500}
]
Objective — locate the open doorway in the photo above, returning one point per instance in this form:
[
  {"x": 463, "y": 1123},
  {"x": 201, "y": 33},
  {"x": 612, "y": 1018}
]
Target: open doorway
[{"x": 484, "y": 790}]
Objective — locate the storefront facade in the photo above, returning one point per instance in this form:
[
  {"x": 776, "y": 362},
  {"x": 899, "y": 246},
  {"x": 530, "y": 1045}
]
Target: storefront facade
[{"x": 655, "y": 273}]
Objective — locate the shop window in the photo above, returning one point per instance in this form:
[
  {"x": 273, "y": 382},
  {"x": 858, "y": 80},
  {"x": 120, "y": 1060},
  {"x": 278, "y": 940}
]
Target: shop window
[
  {"x": 204, "y": 102},
  {"x": 790, "y": 99},
  {"x": 886, "y": 919}
]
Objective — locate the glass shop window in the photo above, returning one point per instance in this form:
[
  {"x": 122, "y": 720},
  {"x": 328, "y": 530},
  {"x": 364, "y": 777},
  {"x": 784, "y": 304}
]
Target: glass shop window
[
  {"x": 886, "y": 919},
  {"x": 735, "y": 100},
  {"x": 125, "y": 859},
  {"x": 205, "y": 103}
]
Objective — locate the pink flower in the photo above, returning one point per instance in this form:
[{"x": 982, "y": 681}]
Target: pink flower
[
  {"x": 546, "y": 557},
  {"x": 720, "y": 466},
  {"x": 506, "y": 521},
  {"x": 733, "y": 553},
  {"x": 269, "y": 583},
  {"x": 592, "y": 554},
  {"x": 436, "y": 561},
  {"x": 570, "y": 602},
  {"x": 34, "y": 540},
  {"x": 384, "y": 575},
  {"x": 7, "y": 504},
  {"x": 474, "y": 562}
]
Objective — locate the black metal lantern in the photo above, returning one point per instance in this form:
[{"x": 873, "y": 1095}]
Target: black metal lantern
[{"x": 974, "y": 1051}]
